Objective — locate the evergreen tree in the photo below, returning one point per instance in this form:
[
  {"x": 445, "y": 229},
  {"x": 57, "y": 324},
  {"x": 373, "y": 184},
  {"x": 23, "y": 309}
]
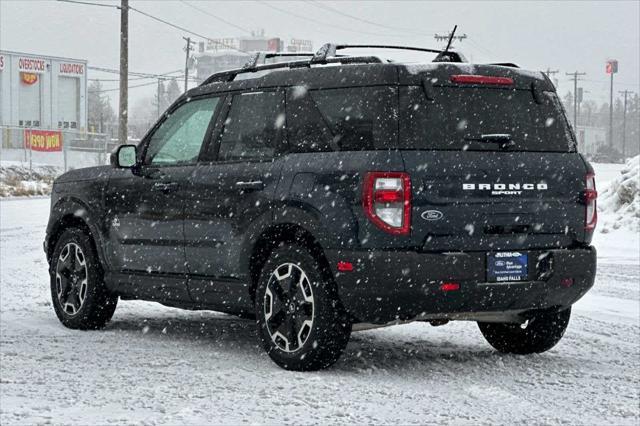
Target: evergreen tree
[{"x": 100, "y": 115}]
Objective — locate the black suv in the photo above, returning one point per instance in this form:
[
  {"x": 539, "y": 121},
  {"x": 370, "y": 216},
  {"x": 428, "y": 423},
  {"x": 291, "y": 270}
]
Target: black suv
[{"x": 333, "y": 193}]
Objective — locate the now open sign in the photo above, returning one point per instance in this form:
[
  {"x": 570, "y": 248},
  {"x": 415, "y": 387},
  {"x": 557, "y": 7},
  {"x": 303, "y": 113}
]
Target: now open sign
[{"x": 43, "y": 140}]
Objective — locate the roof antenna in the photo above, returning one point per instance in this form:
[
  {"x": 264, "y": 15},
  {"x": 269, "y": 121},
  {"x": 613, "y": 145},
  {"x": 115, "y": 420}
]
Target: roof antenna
[{"x": 455, "y": 27}]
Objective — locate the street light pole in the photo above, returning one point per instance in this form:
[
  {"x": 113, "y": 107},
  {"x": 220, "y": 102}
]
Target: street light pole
[{"x": 124, "y": 71}]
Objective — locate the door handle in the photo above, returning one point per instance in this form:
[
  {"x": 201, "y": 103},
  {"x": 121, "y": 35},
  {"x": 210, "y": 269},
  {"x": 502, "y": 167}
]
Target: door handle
[
  {"x": 253, "y": 184},
  {"x": 164, "y": 186}
]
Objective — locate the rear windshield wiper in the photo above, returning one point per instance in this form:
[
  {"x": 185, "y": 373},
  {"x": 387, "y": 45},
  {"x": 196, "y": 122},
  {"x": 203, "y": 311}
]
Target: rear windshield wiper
[{"x": 504, "y": 139}]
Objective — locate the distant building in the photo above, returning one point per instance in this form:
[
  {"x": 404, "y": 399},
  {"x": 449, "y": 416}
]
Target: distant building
[
  {"x": 223, "y": 54},
  {"x": 590, "y": 138},
  {"x": 44, "y": 92}
]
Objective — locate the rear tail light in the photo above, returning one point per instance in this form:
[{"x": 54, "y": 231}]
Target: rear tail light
[
  {"x": 386, "y": 200},
  {"x": 590, "y": 195},
  {"x": 481, "y": 79},
  {"x": 450, "y": 286}
]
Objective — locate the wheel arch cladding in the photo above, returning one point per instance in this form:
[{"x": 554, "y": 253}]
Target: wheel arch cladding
[
  {"x": 277, "y": 234},
  {"x": 71, "y": 213}
]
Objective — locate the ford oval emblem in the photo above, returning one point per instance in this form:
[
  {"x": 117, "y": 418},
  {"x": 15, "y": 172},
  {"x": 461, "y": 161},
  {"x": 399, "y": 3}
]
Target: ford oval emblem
[{"x": 432, "y": 215}]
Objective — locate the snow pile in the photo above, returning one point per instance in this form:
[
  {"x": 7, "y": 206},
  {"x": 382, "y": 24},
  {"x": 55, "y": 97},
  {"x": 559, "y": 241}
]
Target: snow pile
[
  {"x": 619, "y": 202},
  {"x": 17, "y": 180}
]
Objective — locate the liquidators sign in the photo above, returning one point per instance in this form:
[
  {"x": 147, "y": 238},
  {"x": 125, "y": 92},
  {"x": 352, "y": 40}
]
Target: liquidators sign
[{"x": 43, "y": 140}]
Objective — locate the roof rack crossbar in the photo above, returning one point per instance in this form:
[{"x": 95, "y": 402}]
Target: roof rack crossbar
[
  {"x": 330, "y": 49},
  {"x": 260, "y": 57},
  {"x": 226, "y": 76}
]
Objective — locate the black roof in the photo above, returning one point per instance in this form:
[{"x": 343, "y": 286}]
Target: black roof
[{"x": 327, "y": 69}]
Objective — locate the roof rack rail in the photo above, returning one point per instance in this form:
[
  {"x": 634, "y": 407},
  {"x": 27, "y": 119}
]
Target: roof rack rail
[
  {"x": 226, "y": 76},
  {"x": 260, "y": 57},
  {"x": 505, "y": 64}
]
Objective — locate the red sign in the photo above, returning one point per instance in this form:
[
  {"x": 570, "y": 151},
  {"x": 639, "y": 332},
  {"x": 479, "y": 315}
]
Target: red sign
[
  {"x": 43, "y": 140},
  {"x": 28, "y": 78},
  {"x": 273, "y": 44},
  {"x": 612, "y": 66}
]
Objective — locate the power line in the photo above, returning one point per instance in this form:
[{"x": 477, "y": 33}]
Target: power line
[
  {"x": 88, "y": 3},
  {"x": 128, "y": 87},
  {"x": 326, "y": 24},
  {"x": 155, "y": 18},
  {"x": 366, "y": 21},
  {"x": 137, "y": 74},
  {"x": 216, "y": 17}
]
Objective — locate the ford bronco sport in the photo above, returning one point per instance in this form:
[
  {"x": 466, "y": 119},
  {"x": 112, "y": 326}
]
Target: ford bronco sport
[{"x": 335, "y": 192}]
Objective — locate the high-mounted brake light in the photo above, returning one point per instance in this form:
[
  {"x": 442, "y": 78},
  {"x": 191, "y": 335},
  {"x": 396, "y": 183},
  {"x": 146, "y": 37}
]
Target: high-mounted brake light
[
  {"x": 590, "y": 196},
  {"x": 386, "y": 200},
  {"x": 481, "y": 79}
]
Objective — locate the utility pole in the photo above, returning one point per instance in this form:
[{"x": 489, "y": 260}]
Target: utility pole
[
  {"x": 575, "y": 96},
  {"x": 549, "y": 72},
  {"x": 186, "y": 61},
  {"x": 612, "y": 68},
  {"x": 124, "y": 71},
  {"x": 624, "y": 123},
  {"x": 158, "y": 97}
]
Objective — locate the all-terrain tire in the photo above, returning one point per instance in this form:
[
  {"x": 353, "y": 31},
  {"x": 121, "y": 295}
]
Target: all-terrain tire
[
  {"x": 293, "y": 289},
  {"x": 543, "y": 332},
  {"x": 79, "y": 295}
]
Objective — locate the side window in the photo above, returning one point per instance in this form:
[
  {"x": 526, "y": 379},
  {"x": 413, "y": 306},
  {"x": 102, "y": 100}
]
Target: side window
[
  {"x": 179, "y": 138},
  {"x": 350, "y": 119},
  {"x": 253, "y": 128}
]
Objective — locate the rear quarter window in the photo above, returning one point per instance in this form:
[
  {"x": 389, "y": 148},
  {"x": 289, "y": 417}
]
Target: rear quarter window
[
  {"x": 345, "y": 119},
  {"x": 458, "y": 115}
]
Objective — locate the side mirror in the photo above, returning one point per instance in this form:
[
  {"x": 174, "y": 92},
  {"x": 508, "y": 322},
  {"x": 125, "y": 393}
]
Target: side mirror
[{"x": 124, "y": 157}]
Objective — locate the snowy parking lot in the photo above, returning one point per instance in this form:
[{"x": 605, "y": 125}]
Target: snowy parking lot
[{"x": 157, "y": 365}]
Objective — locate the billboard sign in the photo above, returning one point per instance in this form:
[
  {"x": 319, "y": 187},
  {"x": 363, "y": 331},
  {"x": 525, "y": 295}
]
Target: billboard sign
[
  {"x": 612, "y": 66},
  {"x": 43, "y": 140}
]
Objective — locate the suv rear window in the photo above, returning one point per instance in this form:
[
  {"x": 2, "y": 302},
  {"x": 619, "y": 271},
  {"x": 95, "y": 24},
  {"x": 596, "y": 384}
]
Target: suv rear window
[
  {"x": 349, "y": 119},
  {"x": 458, "y": 116}
]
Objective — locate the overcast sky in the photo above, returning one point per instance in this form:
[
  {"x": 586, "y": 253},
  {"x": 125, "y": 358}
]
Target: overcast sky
[{"x": 567, "y": 36}]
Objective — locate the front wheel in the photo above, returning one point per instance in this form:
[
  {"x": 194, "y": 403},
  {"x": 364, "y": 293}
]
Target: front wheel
[
  {"x": 78, "y": 293},
  {"x": 542, "y": 332},
  {"x": 301, "y": 322}
]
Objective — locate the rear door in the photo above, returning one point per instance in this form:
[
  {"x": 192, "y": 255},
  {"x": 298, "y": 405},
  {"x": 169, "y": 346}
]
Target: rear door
[
  {"x": 493, "y": 165},
  {"x": 229, "y": 197}
]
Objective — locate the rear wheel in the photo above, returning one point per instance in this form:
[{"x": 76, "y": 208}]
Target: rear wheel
[
  {"x": 301, "y": 322},
  {"x": 539, "y": 334},
  {"x": 80, "y": 298}
]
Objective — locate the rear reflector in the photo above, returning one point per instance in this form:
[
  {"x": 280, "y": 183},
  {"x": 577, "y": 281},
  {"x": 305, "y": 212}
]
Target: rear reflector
[
  {"x": 344, "y": 266},
  {"x": 566, "y": 282},
  {"x": 450, "y": 287},
  {"x": 386, "y": 200},
  {"x": 590, "y": 196},
  {"x": 481, "y": 79}
]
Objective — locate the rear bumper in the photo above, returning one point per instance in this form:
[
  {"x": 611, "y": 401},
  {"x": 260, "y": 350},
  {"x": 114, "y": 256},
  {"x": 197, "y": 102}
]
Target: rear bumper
[{"x": 387, "y": 286}]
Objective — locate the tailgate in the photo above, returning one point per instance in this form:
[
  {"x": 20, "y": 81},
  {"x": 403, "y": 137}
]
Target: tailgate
[{"x": 488, "y": 200}]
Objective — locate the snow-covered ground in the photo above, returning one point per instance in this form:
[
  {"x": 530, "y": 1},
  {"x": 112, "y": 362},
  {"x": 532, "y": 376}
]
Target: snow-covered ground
[{"x": 156, "y": 365}]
